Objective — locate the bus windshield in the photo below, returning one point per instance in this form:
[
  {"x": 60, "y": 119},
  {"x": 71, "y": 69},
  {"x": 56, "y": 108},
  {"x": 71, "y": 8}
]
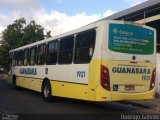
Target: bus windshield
[{"x": 130, "y": 39}]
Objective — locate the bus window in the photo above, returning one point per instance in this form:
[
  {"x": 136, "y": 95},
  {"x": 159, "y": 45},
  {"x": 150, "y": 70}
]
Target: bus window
[
  {"x": 26, "y": 55},
  {"x": 41, "y": 54},
  {"x": 33, "y": 52},
  {"x": 11, "y": 59},
  {"x": 66, "y": 50},
  {"x": 20, "y": 57},
  {"x": 52, "y": 50},
  {"x": 84, "y": 47},
  {"x": 15, "y": 59}
]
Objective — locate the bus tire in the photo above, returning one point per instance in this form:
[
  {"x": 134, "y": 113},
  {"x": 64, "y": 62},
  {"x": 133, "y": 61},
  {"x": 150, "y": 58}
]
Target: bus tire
[{"x": 47, "y": 91}]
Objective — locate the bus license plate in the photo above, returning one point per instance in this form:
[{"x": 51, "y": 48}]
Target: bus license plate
[{"x": 129, "y": 88}]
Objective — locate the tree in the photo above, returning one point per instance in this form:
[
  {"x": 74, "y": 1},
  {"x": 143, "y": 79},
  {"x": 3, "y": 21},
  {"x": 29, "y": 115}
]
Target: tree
[
  {"x": 12, "y": 35},
  {"x": 19, "y": 34},
  {"x": 48, "y": 34},
  {"x": 33, "y": 33},
  {"x": 3, "y": 55}
]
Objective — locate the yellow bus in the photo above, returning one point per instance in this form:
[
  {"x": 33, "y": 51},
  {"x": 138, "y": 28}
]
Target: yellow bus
[{"x": 103, "y": 61}]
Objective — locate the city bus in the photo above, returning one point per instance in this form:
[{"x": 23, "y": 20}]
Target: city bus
[{"x": 104, "y": 61}]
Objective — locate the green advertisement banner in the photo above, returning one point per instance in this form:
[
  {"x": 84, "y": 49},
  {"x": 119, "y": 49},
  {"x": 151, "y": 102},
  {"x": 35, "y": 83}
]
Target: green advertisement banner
[{"x": 131, "y": 39}]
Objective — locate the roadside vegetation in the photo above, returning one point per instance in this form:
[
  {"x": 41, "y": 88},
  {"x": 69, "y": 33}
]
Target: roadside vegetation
[{"x": 18, "y": 34}]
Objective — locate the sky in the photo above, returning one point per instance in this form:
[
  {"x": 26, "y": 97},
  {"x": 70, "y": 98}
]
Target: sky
[{"x": 60, "y": 16}]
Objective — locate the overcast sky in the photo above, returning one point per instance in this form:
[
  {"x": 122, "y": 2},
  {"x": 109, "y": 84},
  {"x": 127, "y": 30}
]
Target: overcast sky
[{"x": 60, "y": 15}]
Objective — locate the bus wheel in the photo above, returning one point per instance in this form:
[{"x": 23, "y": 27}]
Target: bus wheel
[{"x": 47, "y": 91}]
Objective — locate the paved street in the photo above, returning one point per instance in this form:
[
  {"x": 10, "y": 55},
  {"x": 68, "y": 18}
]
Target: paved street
[{"x": 26, "y": 102}]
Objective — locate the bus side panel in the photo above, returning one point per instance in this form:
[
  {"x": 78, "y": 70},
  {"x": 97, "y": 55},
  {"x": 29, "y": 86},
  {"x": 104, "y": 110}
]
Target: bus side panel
[
  {"x": 69, "y": 90},
  {"x": 29, "y": 83},
  {"x": 69, "y": 81},
  {"x": 94, "y": 65},
  {"x": 94, "y": 78}
]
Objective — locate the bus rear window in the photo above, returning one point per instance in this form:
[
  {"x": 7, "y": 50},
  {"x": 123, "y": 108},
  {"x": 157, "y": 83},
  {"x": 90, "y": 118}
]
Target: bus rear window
[{"x": 130, "y": 39}]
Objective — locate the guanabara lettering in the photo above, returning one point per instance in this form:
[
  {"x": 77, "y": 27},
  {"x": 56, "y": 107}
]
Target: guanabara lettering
[
  {"x": 131, "y": 70},
  {"x": 28, "y": 71}
]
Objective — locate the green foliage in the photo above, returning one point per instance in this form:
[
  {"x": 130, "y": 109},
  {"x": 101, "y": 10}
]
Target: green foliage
[
  {"x": 19, "y": 34},
  {"x": 33, "y": 33},
  {"x": 3, "y": 55},
  {"x": 12, "y": 35},
  {"x": 48, "y": 34}
]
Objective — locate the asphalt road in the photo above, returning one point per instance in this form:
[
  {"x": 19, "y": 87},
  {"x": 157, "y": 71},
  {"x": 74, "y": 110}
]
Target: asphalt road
[{"x": 29, "y": 104}]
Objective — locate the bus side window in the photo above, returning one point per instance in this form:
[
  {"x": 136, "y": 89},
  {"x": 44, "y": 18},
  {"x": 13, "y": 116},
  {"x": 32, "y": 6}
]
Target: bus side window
[
  {"x": 15, "y": 58},
  {"x": 66, "y": 50},
  {"x": 84, "y": 47},
  {"x": 41, "y": 54},
  {"x": 32, "y": 57},
  {"x": 20, "y": 58},
  {"x": 26, "y": 56},
  {"x": 52, "y": 52},
  {"x": 11, "y": 59}
]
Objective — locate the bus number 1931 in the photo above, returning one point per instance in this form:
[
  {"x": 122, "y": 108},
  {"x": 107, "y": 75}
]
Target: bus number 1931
[
  {"x": 81, "y": 74},
  {"x": 146, "y": 77}
]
